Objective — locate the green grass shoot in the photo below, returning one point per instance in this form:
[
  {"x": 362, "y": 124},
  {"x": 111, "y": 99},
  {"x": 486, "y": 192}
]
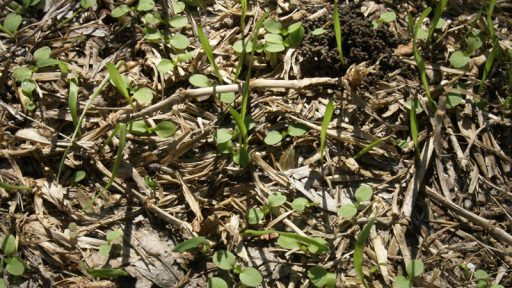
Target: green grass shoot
[
  {"x": 73, "y": 101},
  {"x": 337, "y": 31},
  {"x": 367, "y": 148},
  {"x": 205, "y": 43},
  {"x": 358, "y": 250},
  {"x": 495, "y": 50},
  {"x": 414, "y": 125},
  {"x": 329, "y": 110},
  {"x": 241, "y": 59},
  {"x": 8, "y": 186},
  {"x": 437, "y": 15},
  {"x": 119, "y": 82}
]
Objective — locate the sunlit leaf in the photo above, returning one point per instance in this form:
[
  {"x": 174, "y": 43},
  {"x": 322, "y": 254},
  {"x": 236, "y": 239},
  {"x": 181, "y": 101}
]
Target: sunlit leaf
[
  {"x": 273, "y": 138},
  {"x": 347, "y": 211},
  {"x": 199, "y": 80},
  {"x": 178, "y": 21},
  {"x": 165, "y": 129},
  {"x": 79, "y": 176},
  {"x": 144, "y": 96},
  {"x": 120, "y": 11},
  {"x": 191, "y": 243},
  {"x": 225, "y": 260},
  {"x": 145, "y": 5},
  {"x": 276, "y": 199},
  {"x": 250, "y": 277}
]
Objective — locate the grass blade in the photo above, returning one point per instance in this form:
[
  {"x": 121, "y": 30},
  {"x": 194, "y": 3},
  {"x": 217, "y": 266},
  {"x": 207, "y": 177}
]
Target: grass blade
[
  {"x": 244, "y": 42},
  {"x": 118, "y": 82},
  {"x": 8, "y": 186},
  {"x": 73, "y": 101},
  {"x": 241, "y": 126},
  {"x": 414, "y": 125},
  {"x": 490, "y": 24},
  {"x": 487, "y": 67},
  {"x": 358, "y": 250},
  {"x": 205, "y": 43},
  {"x": 329, "y": 110},
  {"x": 121, "y": 131},
  {"x": 368, "y": 148},
  {"x": 437, "y": 15},
  {"x": 337, "y": 31}
]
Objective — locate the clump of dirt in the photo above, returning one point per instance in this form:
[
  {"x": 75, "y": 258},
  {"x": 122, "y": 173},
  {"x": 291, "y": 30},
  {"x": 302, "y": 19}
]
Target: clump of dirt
[{"x": 360, "y": 43}]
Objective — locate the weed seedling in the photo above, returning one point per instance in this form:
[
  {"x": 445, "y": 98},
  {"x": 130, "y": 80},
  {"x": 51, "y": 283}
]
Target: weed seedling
[
  {"x": 363, "y": 194},
  {"x": 13, "y": 264},
  {"x": 358, "y": 250},
  {"x": 337, "y": 31},
  {"x": 386, "y": 17},
  {"x": 414, "y": 269},
  {"x": 225, "y": 260},
  {"x": 275, "y": 137},
  {"x": 329, "y": 110},
  {"x": 111, "y": 237},
  {"x": 321, "y": 277},
  {"x": 11, "y": 24}
]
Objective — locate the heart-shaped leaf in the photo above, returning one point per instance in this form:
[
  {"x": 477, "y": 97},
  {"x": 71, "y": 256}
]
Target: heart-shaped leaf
[
  {"x": 165, "y": 129},
  {"x": 459, "y": 59},
  {"x": 225, "y": 260},
  {"x": 276, "y": 199},
  {"x": 249, "y": 276},
  {"x": 273, "y": 137},
  {"x": 144, "y": 96},
  {"x": 347, "y": 211},
  {"x": 199, "y": 80}
]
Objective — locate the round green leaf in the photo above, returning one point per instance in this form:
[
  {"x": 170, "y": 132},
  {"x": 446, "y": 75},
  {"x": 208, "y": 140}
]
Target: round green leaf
[
  {"x": 42, "y": 53},
  {"x": 15, "y": 266},
  {"x": 273, "y": 38},
  {"x": 481, "y": 274},
  {"x": 144, "y": 96},
  {"x": 199, "y": 80},
  {"x": 216, "y": 282},
  {"x": 165, "y": 66},
  {"x": 295, "y": 34},
  {"x": 318, "y": 31},
  {"x": 152, "y": 18},
  {"x": 299, "y": 204},
  {"x": 415, "y": 268},
  {"x": 422, "y": 34},
  {"x": 9, "y": 245},
  {"x": 250, "y": 277},
  {"x": 459, "y": 59},
  {"x": 11, "y": 23},
  {"x": 276, "y": 199},
  {"x": 288, "y": 242},
  {"x": 228, "y": 97},
  {"x": 364, "y": 193},
  {"x": 222, "y": 135},
  {"x": 273, "y": 26},
  {"x": 138, "y": 127},
  {"x": 22, "y": 73},
  {"x": 28, "y": 86},
  {"x": 46, "y": 62},
  {"x": 178, "y": 7},
  {"x": 3, "y": 283},
  {"x": 297, "y": 129},
  {"x": 120, "y": 11},
  {"x": 165, "y": 129},
  {"x": 273, "y": 137},
  {"x": 179, "y": 41},
  {"x": 274, "y": 48},
  {"x": 105, "y": 249},
  {"x": 238, "y": 46},
  {"x": 152, "y": 34},
  {"x": 441, "y": 24},
  {"x": 294, "y": 27},
  {"x": 347, "y": 211},
  {"x": 79, "y": 176},
  {"x": 401, "y": 282},
  {"x": 255, "y": 216},
  {"x": 474, "y": 43},
  {"x": 320, "y": 245},
  {"x": 178, "y": 21},
  {"x": 225, "y": 260},
  {"x": 388, "y": 17},
  {"x": 113, "y": 235},
  {"x": 453, "y": 99},
  {"x": 86, "y": 4},
  {"x": 145, "y": 5},
  {"x": 318, "y": 276},
  {"x": 497, "y": 286}
]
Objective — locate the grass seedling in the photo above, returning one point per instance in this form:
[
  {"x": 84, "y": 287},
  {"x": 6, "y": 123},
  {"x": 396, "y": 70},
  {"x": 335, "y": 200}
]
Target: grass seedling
[
  {"x": 337, "y": 31},
  {"x": 244, "y": 42},
  {"x": 414, "y": 125},
  {"x": 73, "y": 101},
  {"x": 495, "y": 49},
  {"x": 329, "y": 110},
  {"x": 119, "y": 83},
  {"x": 367, "y": 148},
  {"x": 437, "y": 15},
  {"x": 358, "y": 250},
  {"x": 205, "y": 43},
  {"x": 8, "y": 186}
]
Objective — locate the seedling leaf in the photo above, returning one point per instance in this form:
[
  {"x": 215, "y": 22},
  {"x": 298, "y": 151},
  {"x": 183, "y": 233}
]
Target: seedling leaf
[
  {"x": 118, "y": 81},
  {"x": 255, "y": 216},
  {"x": 205, "y": 43},
  {"x": 199, "y": 80},
  {"x": 165, "y": 129},
  {"x": 105, "y": 249},
  {"x": 105, "y": 272},
  {"x": 273, "y": 137},
  {"x": 329, "y": 110},
  {"x": 42, "y": 53},
  {"x": 138, "y": 127},
  {"x": 145, "y": 5},
  {"x": 11, "y": 23},
  {"x": 191, "y": 243},
  {"x": 388, "y": 17},
  {"x": 295, "y": 34},
  {"x": 165, "y": 66},
  {"x": 216, "y": 282},
  {"x": 79, "y": 176},
  {"x": 238, "y": 46},
  {"x": 144, "y": 96},
  {"x": 222, "y": 135},
  {"x": 273, "y": 26},
  {"x": 15, "y": 266},
  {"x": 318, "y": 31},
  {"x": 120, "y": 11},
  {"x": 297, "y": 129},
  {"x": 401, "y": 282},
  {"x": 358, "y": 250},
  {"x": 250, "y": 277},
  {"x": 9, "y": 245},
  {"x": 415, "y": 268},
  {"x": 86, "y": 4},
  {"x": 299, "y": 204},
  {"x": 22, "y": 73},
  {"x": 481, "y": 274},
  {"x": 178, "y": 21},
  {"x": 276, "y": 199},
  {"x": 225, "y": 260},
  {"x": 364, "y": 193},
  {"x": 178, "y": 6},
  {"x": 459, "y": 59},
  {"x": 227, "y": 97},
  {"x": 347, "y": 211},
  {"x": 113, "y": 235},
  {"x": 318, "y": 276},
  {"x": 274, "y": 47},
  {"x": 337, "y": 31},
  {"x": 179, "y": 41}
]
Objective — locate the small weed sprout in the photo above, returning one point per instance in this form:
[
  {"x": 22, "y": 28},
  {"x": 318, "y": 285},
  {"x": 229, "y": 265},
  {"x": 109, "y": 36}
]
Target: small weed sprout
[
  {"x": 363, "y": 194},
  {"x": 13, "y": 264},
  {"x": 414, "y": 269},
  {"x": 225, "y": 260},
  {"x": 111, "y": 237}
]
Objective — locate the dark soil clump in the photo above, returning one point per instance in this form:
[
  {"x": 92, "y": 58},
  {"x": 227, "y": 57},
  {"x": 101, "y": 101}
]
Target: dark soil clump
[{"x": 360, "y": 43}]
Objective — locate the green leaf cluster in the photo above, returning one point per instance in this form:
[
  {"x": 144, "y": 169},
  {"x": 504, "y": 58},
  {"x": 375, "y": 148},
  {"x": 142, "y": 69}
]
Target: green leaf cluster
[
  {"x": 225, "y": 260},
  {"x": 363, "y": 193}
]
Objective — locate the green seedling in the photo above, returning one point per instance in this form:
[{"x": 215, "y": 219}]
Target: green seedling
[
  {"x": 495, "y": 50},
  {"x": 164, "y": 129},
  {"x": 43, "y": 59},
  {"x": 414, "y": 269},
  {"x": 225, "y": 260},
  {"x": 78, "y": 176},
  {"x": 414, "y": 124},
  {"x": 321, "y": 277},
  {"x": 86, "y": 4},
  {"x": 337, "y": 31},
  {"x": 275, "y": 137},
  {"x": 437, "y": 17},
  {"x": 13, "y": 264},
  {"x": 386, "y": 17},
  {"x": 257, "y": 214},
  {"x": 313, "y": 245},
  {"x": 73, "y": 101},
  {"x": 329, "y": 110},
  {"x": 367, "y": 148},
  {"x": 11, "y": 24},
  {"x": 150, "y": 183},
  {"x": 483, "y": 281},
  {"x": 363, "y": 194},
  {"x": 193, "y": 243},
  {"x": 460, "y": 59},
  {"x": 111, "y": 237},
  {"x": 358, "y": 250},
  {"x": 300, "y": 204},
  {"x": 205, "y": 43},
  {"x": 8, "y": 186}
]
